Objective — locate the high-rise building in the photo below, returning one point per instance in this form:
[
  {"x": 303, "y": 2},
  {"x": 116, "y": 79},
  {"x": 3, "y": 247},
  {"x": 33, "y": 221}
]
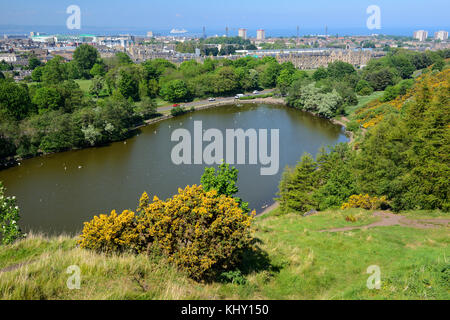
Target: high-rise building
[
  {"x": 421, "y": 35},
  {"x": 260, "y": 34},
  {"x": 243, "y": 33},
  {"x": 441, "y": 35},
  {"x": 150, "y": 34}
]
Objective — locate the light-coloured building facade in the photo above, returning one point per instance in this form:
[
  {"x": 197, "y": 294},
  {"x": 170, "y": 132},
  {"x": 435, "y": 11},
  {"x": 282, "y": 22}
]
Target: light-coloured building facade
[
  {"x": 441, "y": 35},
  {"x": 242, "y": 33},
  {"x": 421, "y": 35},
  {"x": 260, "y": 35}
]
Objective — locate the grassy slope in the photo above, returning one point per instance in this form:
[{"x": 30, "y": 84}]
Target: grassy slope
[
  {"x": 302, "y": 264},
  {"x": 363, "y": 100}
]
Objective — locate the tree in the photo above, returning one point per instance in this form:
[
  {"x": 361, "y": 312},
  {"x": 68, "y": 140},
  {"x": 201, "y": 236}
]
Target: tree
[
  {"x": 339, "y": 70},
  {"x": 36, "y": 75},
  {"x": 15, "y": 100},
  {"x": 128, "y": 86},
  {"x": 47, "y": 98},
  {"x": 285, "y": 80},
  {"x": 297, "y": 186},
  {"x": 379, "y": 80},
  {"x": 33, "y": 63},
  {"x": 403, "y": 65},
  {"x": 85, "y": 56},
  {"x": 96, "y": 86},
  {"x": 123, "y": 58},
  {"x": 226, "y": 81},
  {"x": 224, "y": 181},
  {"x": 175, "y": 91},
  {"x": 363, "y": 88},
  {"x": 98, "y": 70},
  {"x": 320, "y": 73},
  {"x": 54, "y": 71},
  {"x": 268, "y": 77}
]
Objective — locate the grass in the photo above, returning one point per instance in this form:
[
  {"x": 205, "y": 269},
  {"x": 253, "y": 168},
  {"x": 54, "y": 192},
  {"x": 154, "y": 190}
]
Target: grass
[
  {"x": 84, "y": 85},
  {"x": 362, "y": 101},
  {"x": 302, "y": 263}
]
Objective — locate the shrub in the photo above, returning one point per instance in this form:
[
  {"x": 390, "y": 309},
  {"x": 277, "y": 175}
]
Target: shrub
[
  {"x": 113, "y": 233},
  {"x": 9, "y": 216},
  {"x": 201, "y": 232},
  {"x": 365, "y": 202},
  {"x": 351, "y": 218},
  {"x": 177, "y": 111}
]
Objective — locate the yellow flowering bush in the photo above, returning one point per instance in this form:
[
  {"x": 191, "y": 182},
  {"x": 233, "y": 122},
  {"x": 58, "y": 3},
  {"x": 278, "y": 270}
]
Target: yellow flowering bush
[
  {"x": 113, "y": 233},
  {"x": 364, "y": 202},
  {"x": 201, "y": 232}
]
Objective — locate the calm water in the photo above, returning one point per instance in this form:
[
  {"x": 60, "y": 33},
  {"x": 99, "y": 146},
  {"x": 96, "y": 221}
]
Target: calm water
[{"x": 57, "y": 193}]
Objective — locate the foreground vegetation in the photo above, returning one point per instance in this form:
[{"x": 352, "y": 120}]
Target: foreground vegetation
[
  {"x": 296, "y": 262},
  {"x": 403, "y": 156}
]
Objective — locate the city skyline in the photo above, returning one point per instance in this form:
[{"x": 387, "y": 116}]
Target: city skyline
[{"x": 252, "y": 15}]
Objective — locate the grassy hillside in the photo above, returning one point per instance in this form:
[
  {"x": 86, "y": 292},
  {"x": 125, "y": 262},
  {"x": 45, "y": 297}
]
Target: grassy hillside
[{"x": 296, "y": 262}]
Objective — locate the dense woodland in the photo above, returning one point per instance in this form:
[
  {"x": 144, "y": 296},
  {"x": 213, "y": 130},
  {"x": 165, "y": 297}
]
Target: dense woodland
[{"x": 403, "y": 157}]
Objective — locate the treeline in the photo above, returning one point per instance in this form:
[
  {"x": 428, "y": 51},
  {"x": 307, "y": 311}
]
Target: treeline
[
  {"x": 330, "y": 90},
  {"x": 54, "y": 114},
  {"x": 404, "y": 157}
]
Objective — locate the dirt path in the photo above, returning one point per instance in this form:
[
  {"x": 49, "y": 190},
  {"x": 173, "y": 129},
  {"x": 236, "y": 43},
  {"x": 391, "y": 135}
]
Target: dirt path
[
  {"x": 15, "y": 266},
  {"x": 389, "y": 219}
]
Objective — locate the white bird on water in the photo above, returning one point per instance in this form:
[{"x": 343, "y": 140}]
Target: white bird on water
[{"x": 80, "y": 167}]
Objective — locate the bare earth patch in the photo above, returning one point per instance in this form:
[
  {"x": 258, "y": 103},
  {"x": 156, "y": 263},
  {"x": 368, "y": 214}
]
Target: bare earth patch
[{"x": 389, "y": 219}]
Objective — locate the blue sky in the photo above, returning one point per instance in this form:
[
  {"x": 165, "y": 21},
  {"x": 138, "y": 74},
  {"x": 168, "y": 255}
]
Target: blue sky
[{"x": 215, "y": 14}]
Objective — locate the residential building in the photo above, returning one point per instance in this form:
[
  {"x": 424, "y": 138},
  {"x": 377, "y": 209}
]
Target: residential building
[
  {"x": 243, "y": 33},
  {"x": 421, "y": 35},
  {"x": 441, "y": 35},
  {"x": 260, "y": 35}
]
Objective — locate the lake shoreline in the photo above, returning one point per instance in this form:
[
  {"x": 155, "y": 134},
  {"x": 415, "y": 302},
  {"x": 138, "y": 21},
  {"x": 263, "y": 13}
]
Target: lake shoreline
[{"x": 14, "y": 161}]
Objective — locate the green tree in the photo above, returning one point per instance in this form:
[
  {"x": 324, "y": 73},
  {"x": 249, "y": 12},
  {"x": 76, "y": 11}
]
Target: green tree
[
  {"x": 128, "y": 86},
  {"x": 36, "y": 75},
  {"x": 96, "y": 86},
  {"x": 297, "y": 186},
  {"x": 54, "y": 71},
  {"x": 224, "y": 181},
  {"x": 98, "y": 70},
  {"x": 14, "y": 100},
  {"x": 123, "y": 58},
  {"x": 47, "y": 98},
  {"x": 339, "y": 70},
  {"x": 85, "y": 56},
  {"x": 175, "y": 91},
  {"x": 33, "y": 63},
  {"x": 320, "y": 73}
]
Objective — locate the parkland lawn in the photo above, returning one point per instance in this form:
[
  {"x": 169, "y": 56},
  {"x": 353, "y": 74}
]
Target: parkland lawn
[{"x": 295, "y": 261}]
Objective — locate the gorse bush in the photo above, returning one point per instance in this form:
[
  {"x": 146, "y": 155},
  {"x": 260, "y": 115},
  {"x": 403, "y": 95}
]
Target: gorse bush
[
  {"x": 9, "y": 217},
  {"x": 113, "y": 233},
  {"x": 202, "y": 233},
  {"x": 365, "y": 202}
]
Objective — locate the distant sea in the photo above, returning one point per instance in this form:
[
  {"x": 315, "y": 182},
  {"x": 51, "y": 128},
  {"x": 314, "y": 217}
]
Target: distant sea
[{"x": 270, "y": 32}]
